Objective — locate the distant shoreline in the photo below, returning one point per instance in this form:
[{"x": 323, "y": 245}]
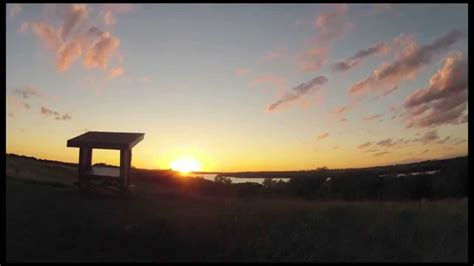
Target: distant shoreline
[{"x": 425, "y": 165}]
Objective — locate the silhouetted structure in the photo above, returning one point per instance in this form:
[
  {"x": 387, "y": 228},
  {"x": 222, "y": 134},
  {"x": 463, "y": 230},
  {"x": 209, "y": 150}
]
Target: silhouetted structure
[{"x": 105, "y": 140}]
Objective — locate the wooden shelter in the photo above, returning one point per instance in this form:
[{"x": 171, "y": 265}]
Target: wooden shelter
[{"x": 105, "y": 140}]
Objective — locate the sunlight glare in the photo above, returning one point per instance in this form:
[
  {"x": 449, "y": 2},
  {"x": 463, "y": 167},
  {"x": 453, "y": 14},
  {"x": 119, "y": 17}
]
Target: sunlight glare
[{"x": 186, "y": 165}]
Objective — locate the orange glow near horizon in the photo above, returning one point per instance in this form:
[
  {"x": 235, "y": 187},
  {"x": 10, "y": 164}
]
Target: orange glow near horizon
[{"x": 186, "y": 165}]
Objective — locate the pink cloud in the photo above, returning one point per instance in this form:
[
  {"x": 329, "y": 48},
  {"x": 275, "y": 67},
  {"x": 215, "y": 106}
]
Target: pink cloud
[
  {"x": 313, "y": 59},
  {"x": 116, "y": 72},
  {"x": 73, "y": 15},
  {"x": 74, "y": 39},
  {"x": 323, "y": 135},
  {"x": 99, "y": 54},
  {"x": 330, "y": 26},
  {"x": 340, "y": 110},
  {"x": 110, "y": 11},
  {"x": 240, "y": 72},
  {"x": 444, "y": 100},
  {"x": 47, "y": 34},
  {"x": 406, "y": 66}
]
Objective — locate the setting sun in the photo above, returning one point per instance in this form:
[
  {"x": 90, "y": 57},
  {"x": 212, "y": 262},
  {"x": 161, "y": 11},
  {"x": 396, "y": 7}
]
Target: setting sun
[{"x": 186, "y": 165}]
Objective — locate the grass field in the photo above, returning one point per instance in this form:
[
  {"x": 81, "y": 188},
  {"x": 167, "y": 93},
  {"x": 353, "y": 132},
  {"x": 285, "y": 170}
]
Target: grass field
[{"x": 48, "y": 220}]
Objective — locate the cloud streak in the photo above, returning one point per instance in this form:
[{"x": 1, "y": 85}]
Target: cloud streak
[
  {"x": 298, "y": 92},
  {"x": 323, "y": 135},
  {"x": 372, "y": 117},
  {"x": 50, "y": 113},
  {"x": 387, "y": 143},
  {"x": 406, "y": 66},
  {"x": 27, "y": 92},
  {"x": 354, "y": 61},
  {"x": 428, "y": 137},
  {"x": 364, "y": 145}
]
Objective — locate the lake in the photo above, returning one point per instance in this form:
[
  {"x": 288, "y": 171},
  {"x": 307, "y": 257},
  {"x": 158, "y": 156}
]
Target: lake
[
  {"x": 240, "y": 179},
  {"x": 236, "y": 180}
]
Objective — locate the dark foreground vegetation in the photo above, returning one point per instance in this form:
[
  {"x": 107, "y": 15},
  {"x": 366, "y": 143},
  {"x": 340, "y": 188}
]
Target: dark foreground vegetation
[{"x": 176, "y": 218}]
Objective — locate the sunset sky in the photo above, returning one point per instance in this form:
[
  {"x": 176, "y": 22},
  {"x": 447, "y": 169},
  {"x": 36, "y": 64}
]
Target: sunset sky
[{"x": 240, "y": 87}]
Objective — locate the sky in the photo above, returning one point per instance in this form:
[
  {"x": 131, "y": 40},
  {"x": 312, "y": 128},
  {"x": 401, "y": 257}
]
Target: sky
[{"x": 240, "y": 87}]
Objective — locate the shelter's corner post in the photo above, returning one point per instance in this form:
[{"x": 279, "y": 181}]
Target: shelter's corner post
[
  {"x": 125, "y": 162},
  {"x": 85, "y": 162}
]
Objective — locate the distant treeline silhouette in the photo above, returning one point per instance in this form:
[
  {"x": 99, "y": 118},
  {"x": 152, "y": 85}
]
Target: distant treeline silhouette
[
  {"x": 447, "y": 179},
  {"x": 435, "y": 179}
]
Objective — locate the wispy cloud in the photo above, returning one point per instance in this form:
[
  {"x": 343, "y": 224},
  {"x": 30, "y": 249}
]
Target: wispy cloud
[
  {"x": 364, "y": 145},
  {"x": 240, "y": 72},
  {"x": 313, "y": 59},
  {"x": 443, "y": 141},
  {"x": 20, "y": 98},
  {"x": 372, "y": 117},
  {"x": 381, "y": 153},
  {"x": 116, "y": 72},
  {"x": 330, "y": 26},
  {"x": 340, "y": 110},
  {"x": 298, "y": 92},
  {"x": 412, "y": 59},
  {"x": 109, "y": 12},
  {"x": 387, "y": 143},
  {"x": 444, "y": 100},
  {"x": 428, "y": 137},
  {"x": 27, "y": 92},
  {"x": 50, "y": 113},
  {"x": 352, "y": 62},
  {"x": 323, "y": 135}
]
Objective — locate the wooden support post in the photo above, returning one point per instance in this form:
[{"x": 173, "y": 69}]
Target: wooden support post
[
  {"x": 125, "y": 155},
  {"x": 85, "y": 161}
]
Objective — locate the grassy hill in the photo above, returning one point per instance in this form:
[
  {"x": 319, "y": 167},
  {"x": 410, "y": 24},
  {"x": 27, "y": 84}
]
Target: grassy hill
[{"x": 171, "y": 219}]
